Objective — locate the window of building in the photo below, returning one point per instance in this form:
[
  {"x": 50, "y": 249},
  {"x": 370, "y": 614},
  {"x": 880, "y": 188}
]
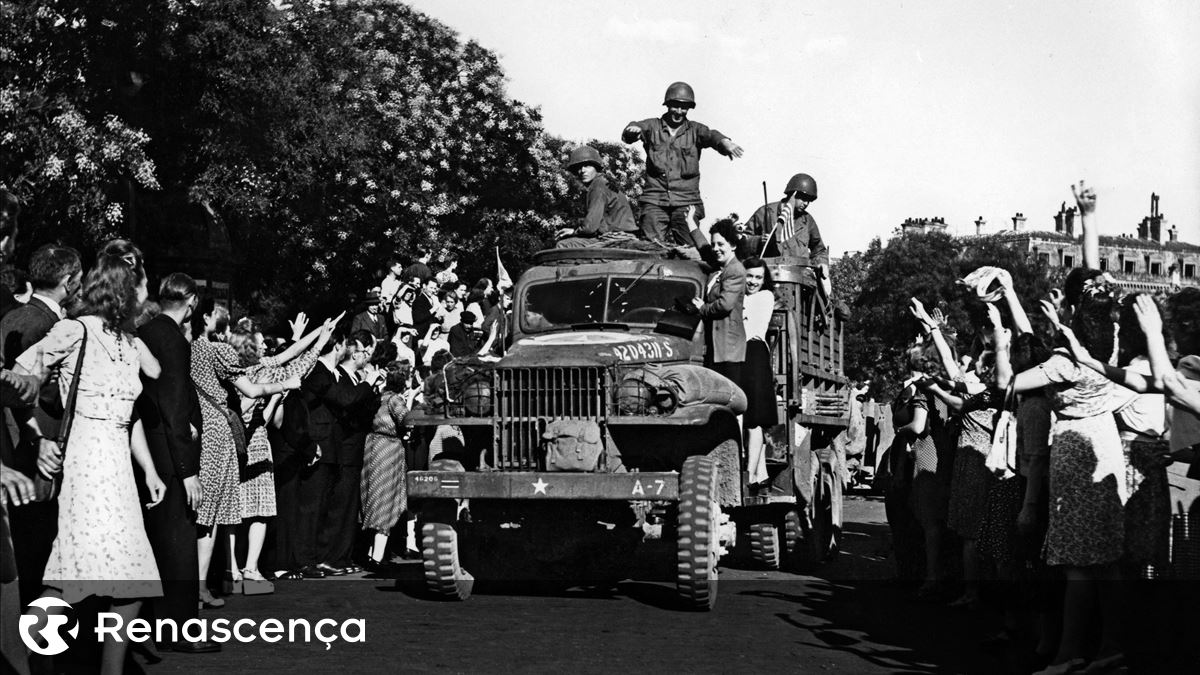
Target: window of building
[
  {"x": 1156, "y": 269},
  {"x": 1104, "y": 264},
  {"x": 1044, "y": 258},
  {"x": 1189, "y": 270},
  {"x": 1068, "y": 261},
  {"x": 1130, "y": 267}
]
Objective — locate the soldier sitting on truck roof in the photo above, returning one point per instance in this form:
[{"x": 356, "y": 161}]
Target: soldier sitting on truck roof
[
  {"x": 609, "y": 218},
  {"x": 673, "y": 144},
  {"x": 777, "y": 230}
]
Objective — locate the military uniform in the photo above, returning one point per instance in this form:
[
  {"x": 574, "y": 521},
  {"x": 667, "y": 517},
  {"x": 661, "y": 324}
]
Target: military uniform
[
  {"x": 672, "y": 175},
  {"x": 608, "y": 213},
  {"x": 801, "y": 239}
]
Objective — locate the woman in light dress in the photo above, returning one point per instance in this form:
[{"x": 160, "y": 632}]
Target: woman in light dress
[{"x": 101, "y": 548}]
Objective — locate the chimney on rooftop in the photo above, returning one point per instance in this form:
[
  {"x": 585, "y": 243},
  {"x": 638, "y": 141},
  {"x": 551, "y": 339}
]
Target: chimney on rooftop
[
  {"x": 979, "y": 225},
  {"x": 1151, "y": 227},
  {"x": 1019, "y": 222},
  {"x": 1174, "y": 233}
]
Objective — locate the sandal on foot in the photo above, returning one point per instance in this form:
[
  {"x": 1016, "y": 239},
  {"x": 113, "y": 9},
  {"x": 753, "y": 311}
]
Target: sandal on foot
[{"x": 254, "y": 583}]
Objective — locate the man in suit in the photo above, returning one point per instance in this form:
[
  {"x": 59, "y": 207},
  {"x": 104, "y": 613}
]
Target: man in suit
[
  {"x": 167, "y": 407},
  {"x": 427, "y": 308},
  {"x": 353, "y": 401},
  {"x": 55, "y": 273},
  {"x": 372, "y": 318},
  {"x": 15, "y": 487},
  {"x": 326, "y": 393}
]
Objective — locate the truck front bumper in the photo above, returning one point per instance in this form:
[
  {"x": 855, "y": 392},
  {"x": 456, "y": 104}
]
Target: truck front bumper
[{"x": 543, "y": 485}]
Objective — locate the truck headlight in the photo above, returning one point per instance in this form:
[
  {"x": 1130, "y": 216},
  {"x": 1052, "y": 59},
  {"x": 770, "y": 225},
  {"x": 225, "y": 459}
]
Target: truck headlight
[{"x": 477, "y": 397}]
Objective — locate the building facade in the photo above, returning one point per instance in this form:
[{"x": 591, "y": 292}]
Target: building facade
[{"x": 1151, "y": 260}]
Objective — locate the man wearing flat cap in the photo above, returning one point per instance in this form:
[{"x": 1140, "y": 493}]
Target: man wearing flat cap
[{"x": 372, "y": 318}]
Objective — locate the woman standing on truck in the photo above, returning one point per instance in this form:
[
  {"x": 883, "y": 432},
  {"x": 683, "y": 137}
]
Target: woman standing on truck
[
  {"x": 721, "y": 305},
  {"x": 759, "y": 385}
]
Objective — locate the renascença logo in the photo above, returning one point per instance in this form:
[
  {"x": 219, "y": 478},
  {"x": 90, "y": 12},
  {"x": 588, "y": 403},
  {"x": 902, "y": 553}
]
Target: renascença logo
[{"x": 49, "y": 627}]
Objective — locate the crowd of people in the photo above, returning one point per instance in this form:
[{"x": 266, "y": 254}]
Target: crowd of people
[
  {"x": 288, "y": 449},
  {"x": 1042, "y": 459},
  {"x": 1041, "y": 462}
]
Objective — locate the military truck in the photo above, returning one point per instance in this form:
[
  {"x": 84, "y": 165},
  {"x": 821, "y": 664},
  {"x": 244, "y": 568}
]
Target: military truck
[{"x": 600, "y": 428}]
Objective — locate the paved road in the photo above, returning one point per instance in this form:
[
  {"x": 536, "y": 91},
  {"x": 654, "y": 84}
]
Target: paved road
[{"x": 848, "y": 619}]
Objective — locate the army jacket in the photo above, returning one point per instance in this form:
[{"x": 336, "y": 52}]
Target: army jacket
[
  {"x": 673, "y": 162},
  {"x": 802, "y": 241},
  {"x": 607, "y": 211}
]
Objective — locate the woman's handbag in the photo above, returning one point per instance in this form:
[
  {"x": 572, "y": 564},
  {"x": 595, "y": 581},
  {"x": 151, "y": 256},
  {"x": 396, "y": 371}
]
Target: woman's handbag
[
  {"x": 236, "y": 428},
  {"x": 46, "y": 488},
  {"x": 1002, "y": 457}
]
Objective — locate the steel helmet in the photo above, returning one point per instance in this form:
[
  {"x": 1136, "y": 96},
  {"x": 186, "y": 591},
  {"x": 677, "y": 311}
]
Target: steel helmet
[
  {"x": 584, "y": 154},
  {"x": 804, "y": 184},
  {"x": 682, "y": 92}
]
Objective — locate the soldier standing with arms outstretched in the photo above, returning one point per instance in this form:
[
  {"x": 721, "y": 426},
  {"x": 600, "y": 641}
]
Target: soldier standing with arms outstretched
[{"x": 673, "y": 144}]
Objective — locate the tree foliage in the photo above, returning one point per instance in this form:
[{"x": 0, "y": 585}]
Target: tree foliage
[
  {"x": 70, "y": 164},
  {"x": 323, "y": 138},
  {"x": 927, "y": 267}
]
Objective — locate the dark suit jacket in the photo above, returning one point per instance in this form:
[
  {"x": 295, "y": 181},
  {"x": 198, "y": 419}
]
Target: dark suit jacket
[
  {"x": 423, "y": 314},
  {"x": 328, "y": 399},
  {"x": 24, "y": 326},
  {"x": 355, "y": 409},
  {"x": 168, "y": 404},
  {"x": 375, "y": 325},
  {"x": 313, "y": 390},
  {"x": 465, "y": 341},
  {"x": 725, "y": 329},
  {"x": 20, "y": 329}
]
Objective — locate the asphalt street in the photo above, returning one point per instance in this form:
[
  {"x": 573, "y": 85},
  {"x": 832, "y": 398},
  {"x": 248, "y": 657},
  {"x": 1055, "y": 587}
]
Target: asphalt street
[{"x": 848, "y": 618}]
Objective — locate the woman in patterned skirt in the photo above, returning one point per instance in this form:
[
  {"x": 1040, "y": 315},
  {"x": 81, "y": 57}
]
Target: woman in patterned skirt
[
  {"x": 101, "y": 547},
  {"x": 256, "y": 494},
  {"x": 384, "y": 492},
  {"x": 215, "y": 365},
  {"x": 1087, "y": 475},
  {"x": 977, "y": 400}
]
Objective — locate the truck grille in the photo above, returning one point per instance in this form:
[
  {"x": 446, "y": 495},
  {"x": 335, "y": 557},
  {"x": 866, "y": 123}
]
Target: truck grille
[{"x": 527, "y": 398}]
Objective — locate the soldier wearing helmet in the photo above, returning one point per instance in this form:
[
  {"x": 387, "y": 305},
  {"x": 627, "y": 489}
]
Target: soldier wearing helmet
[
  {"x": 608, "y": 216},
  {"x": 786, "y": 228},
  {"x": 673, "y": 144}
]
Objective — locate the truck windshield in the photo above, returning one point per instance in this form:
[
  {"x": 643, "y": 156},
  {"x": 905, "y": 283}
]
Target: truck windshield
[{"x": 555, "y": 305}]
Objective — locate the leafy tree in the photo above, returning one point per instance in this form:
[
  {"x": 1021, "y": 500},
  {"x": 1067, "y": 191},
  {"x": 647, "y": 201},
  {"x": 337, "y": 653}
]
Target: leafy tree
[
  {"x": 321, "y": 139},
  {"x": 926, "y": 266},
  {"x": 71, "y": 164}
]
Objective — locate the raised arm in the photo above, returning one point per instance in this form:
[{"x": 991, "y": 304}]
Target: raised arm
[
  {"x": 1002, "y": 339},
  {"x": 934, "y": 387},
  {"x": 1085, "y": 199},
  {"x": 319, "y": 335},
  {"x": 1156, "y": 345},
  {"x": 1021, "y": 324},
  {"x": 932, "y": 330}
]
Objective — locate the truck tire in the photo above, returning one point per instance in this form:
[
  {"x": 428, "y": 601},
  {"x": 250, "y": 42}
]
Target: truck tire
[
  {"x": 810, "y": 536},
  {"x": 444, "y": 575},
  {"x": 696, "y": 535},
  {"x": 793, "y": 536},
  {"x": 764, "y": 545}
]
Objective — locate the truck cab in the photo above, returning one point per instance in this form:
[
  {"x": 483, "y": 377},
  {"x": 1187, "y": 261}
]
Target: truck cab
[{"x": 601, "y": 411}]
